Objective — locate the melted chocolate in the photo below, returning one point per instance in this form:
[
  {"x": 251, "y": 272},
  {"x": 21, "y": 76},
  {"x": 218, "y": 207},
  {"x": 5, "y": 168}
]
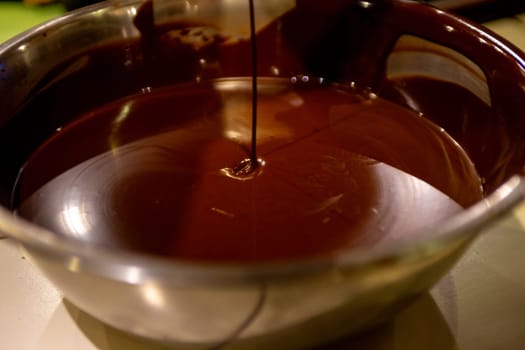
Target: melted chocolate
[
  {"x": 253, "y": 160},
  {"x": 150, "y": 172}
]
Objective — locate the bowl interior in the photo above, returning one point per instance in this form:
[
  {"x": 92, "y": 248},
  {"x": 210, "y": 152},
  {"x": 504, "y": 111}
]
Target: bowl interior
[{"x": 459, "y": 77}]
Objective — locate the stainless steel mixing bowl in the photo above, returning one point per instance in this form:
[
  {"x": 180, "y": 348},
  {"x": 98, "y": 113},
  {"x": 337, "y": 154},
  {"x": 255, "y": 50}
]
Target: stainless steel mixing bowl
[{"x": 301, "y": 303}]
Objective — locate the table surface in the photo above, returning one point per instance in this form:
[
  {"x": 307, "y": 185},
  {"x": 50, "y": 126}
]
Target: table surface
[{"x": 479, "y": 305}]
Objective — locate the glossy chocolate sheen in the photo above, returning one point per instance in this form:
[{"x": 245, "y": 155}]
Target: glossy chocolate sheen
[{"x": 153, "y": 173}]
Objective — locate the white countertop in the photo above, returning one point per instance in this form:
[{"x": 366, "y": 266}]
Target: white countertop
[{"x": 479, "y": 305}]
